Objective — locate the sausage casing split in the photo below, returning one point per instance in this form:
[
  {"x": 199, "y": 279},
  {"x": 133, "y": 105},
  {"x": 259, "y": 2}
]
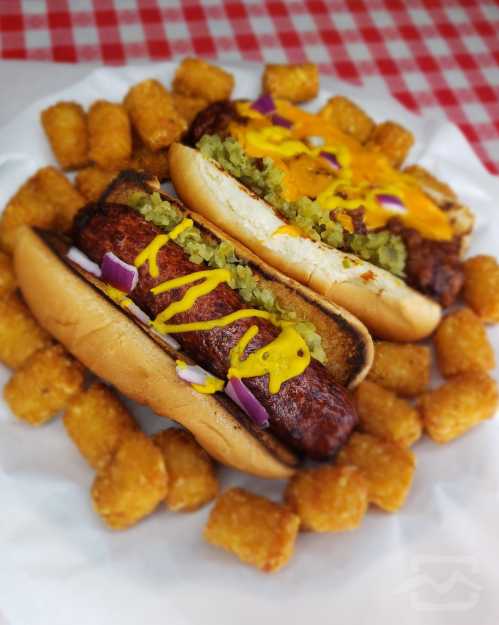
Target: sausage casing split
[{"x": 311, "y": 412}]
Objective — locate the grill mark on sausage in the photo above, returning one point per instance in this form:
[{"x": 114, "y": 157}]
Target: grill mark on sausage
[{"x": 311, "y": 413}]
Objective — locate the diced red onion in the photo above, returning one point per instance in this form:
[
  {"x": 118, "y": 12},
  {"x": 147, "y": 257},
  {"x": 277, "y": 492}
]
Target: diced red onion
[
  {"x": 119, "y": 274},
  {"x": 82, "y": 260},
  {"x": 138, "y": 313},
  {"x": 331, "y": 159},
  {"x": 278, "y": 120},
  {"x": 264, "y": 104},
  {"x": 194, "y": 374},
  {"x": 168, "y": 339},
  {"x": 244, "y": 398},
  {"x": 392, "y": 202}
]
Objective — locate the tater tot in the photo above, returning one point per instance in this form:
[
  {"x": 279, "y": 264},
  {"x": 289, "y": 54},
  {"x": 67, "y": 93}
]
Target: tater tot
[
  {"x": 8, "y": 281},
  {"x": 393, "y": 141},
  {"x": 198, "y": 79},
  {"x": 92, "y": 181},
  {"x": 65, "y": 125},
  {"x": 430, "y": 182},
  {"x": 388, "y": 468},
  {"x": 26, "y": 207},
  {"x": 296, "y": 83},
  {"x": 384, "y": 414},
  {"x": 328, "y": 499},
  {"x": 348, "y": 117},
  {"x": 191, "y": 473},
  {"x": 20, "y": 334},
  {"x": 460, "y": 217},
  {"x": 132, "y": 484},
  {"x": 258, "y": 531},
  {"x": 59, "y": 191},
  {"x": 187, "y": 106},
  {"x": 110, "y": 136},
  {"x": 462, "y": 221},
  {"x": 97, "y": 422},
  {"x": 461, "y": 344},
  {"x": 153, "y": 114},
  {"x": 404, "y": 369},
  {"x": 458, "y": 405},
  {"x": 43, "y": 385},
  {"x": 46, "y": 200},
  {"x": 481, "y": 287},
  {"x": 153, "y": 163}
]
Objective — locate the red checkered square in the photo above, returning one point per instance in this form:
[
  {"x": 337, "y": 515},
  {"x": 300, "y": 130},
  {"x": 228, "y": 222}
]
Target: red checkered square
[
  {"x": 9, "y": 23},
  {"x": 431, "y": 54}
]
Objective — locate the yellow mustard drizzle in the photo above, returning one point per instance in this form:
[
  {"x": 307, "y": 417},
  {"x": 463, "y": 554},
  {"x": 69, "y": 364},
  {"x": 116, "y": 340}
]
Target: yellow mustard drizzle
[
  {"x": 283, "y": 358},
  {"x": 367, "y": 172},
  {"x": 275, "y": 139},
  {"x": 287, "y": 356},
  {"x": 198, "y": 326},
  {"x": 119, "y": 297},
  {"x": 211, "y": 278},
  {"x": 211, "y": 384},
  {"x": 183, "y": 225},
  {"x": 150, "y": 253}
]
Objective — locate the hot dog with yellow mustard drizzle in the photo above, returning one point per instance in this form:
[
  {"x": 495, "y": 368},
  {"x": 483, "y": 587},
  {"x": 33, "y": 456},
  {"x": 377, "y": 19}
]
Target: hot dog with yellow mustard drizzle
[
  {"x": 304, "y": 350},
  {"x": 307, "y": 409}
]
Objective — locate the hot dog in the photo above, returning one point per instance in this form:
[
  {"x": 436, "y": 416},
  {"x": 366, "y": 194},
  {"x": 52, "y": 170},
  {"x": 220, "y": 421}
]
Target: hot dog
[
  {"x": 326, "y": 210},
  {"x": 308, "y": 411}
]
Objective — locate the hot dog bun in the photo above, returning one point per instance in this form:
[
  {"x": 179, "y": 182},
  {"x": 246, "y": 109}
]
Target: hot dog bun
[
  {"x": 382, "y": 301},
  {"x": 112, "y": 346}
]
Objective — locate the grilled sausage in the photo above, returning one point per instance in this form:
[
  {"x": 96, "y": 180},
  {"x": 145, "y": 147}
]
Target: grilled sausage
[
  {"x": 213, "y": 120},
  {"x": 433, "y": 267},
  {"x": 311, "y": 413}
]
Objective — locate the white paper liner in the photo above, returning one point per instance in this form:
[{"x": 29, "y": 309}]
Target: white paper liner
[{"x": 434, "y": 562}]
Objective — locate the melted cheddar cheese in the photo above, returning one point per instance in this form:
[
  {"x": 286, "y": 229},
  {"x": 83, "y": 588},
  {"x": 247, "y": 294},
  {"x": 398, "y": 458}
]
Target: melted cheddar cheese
[{"x": 362, "y": 176}]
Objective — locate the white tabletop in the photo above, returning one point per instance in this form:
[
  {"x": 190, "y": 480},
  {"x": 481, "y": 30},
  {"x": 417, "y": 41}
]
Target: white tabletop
[{"x": 25, "y": 81}]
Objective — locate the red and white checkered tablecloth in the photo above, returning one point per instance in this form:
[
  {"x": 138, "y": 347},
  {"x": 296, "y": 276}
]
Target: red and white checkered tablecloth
[{"x": 432, "y": 54}]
